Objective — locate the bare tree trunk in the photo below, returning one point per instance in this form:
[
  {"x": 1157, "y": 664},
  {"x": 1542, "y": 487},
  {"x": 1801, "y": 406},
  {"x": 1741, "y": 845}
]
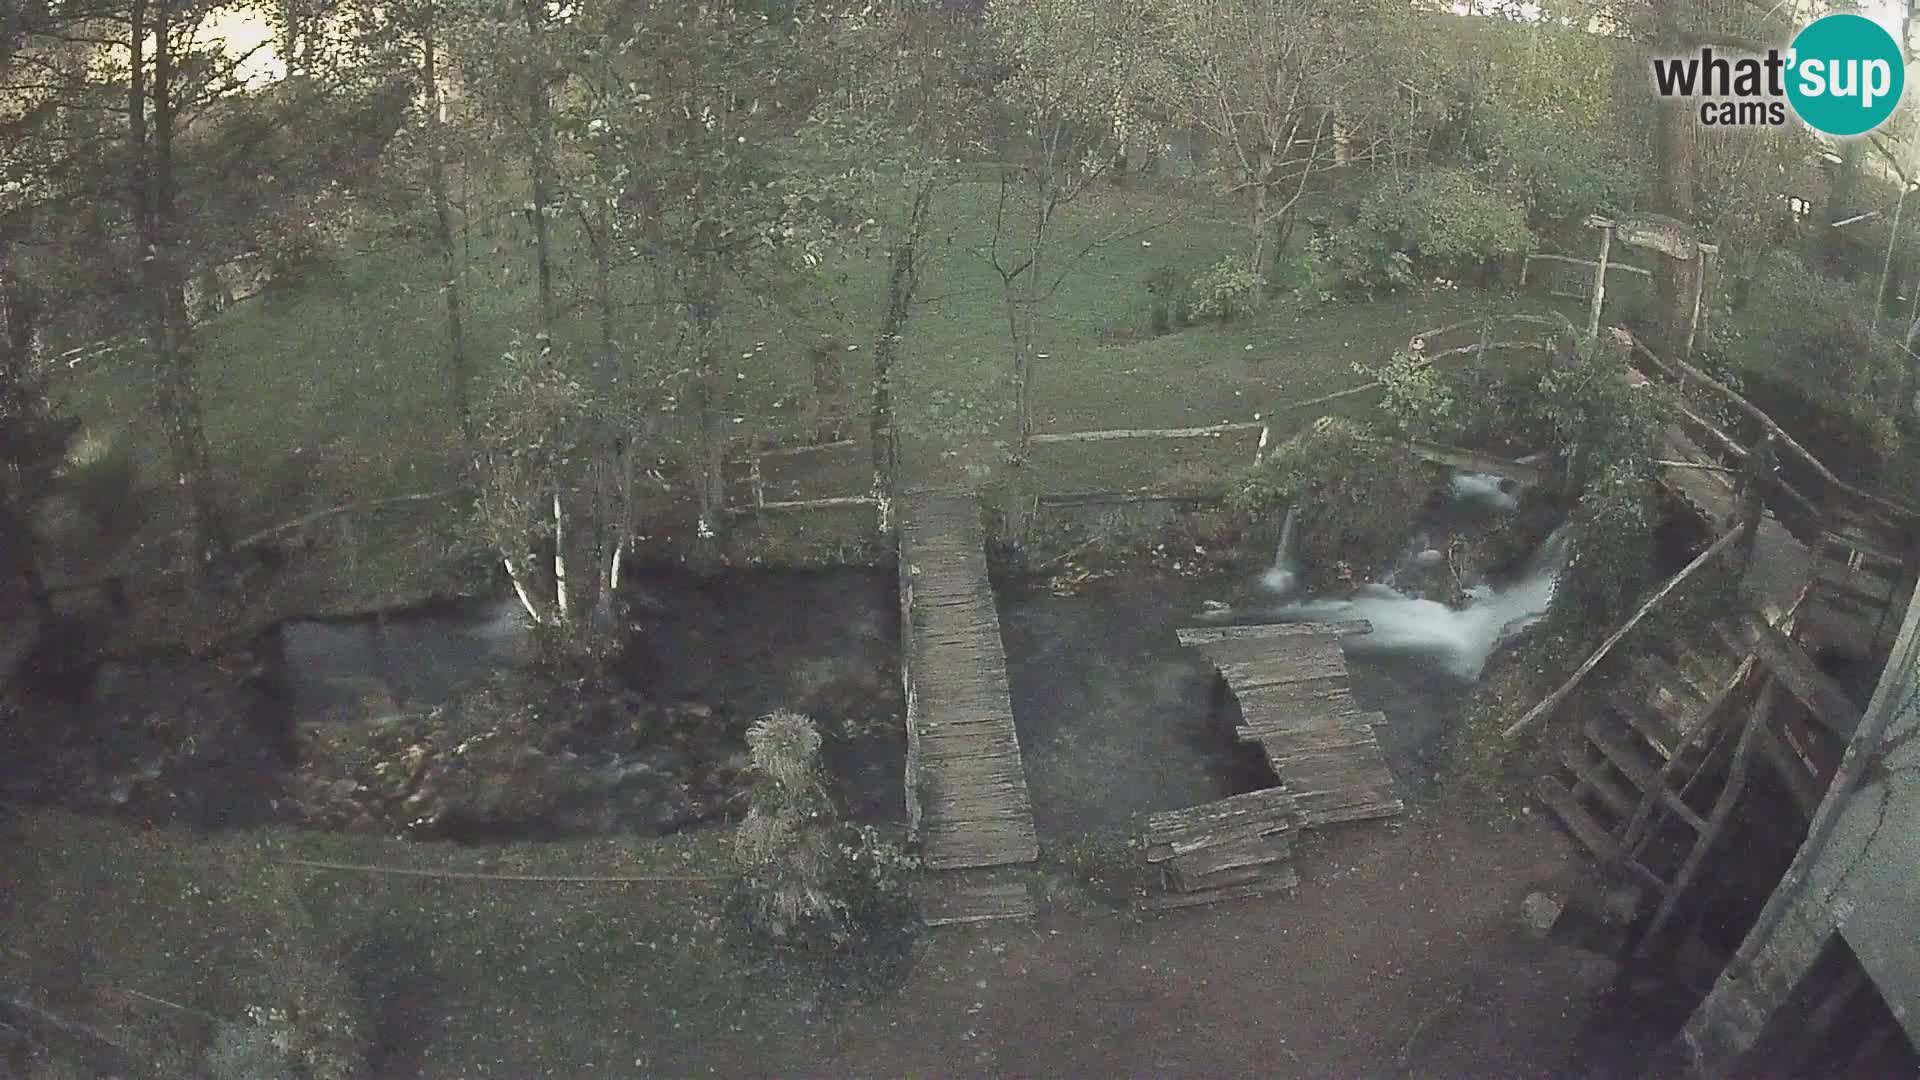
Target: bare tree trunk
[
  {"x": 1674, "y": 28},
  {"x": 156, "y": 216},
  {"x": 19, "y": 412},
  {"x": 1257, "y": 258},
  {"x": 540, "y": 130},
  {"x": 903, "y": 278},
  {"x": 702, "y": 311},
  {"x": 443, "y": 234}
]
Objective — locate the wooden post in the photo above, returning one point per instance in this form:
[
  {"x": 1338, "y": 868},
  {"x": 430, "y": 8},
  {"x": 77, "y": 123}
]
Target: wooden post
[
  {"x": 1699, "y": 290},
  {"x": 1723, "y": 808},
  {"x": 1753, "y": 498},
  {"x": 1599, "y": 283}
]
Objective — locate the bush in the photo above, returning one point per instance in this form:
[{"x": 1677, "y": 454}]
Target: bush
[
  {"x": 1415, "y": 394},
  {"x": 1168, "y": 301},
  {"x": 807, "y": 881},
  {"x": 1446, "y": 222},
  {"x": 1357, "y": 497},
  {"x": 1806, "y": 330},
  {"x": 1227, "y": 291},
  {"x": 1309, "y": 272}
]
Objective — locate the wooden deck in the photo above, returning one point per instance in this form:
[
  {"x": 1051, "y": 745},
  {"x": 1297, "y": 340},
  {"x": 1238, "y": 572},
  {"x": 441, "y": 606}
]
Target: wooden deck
[
  {"x": 966, "y": 786},
  {"x": 1292, "y": 683}
]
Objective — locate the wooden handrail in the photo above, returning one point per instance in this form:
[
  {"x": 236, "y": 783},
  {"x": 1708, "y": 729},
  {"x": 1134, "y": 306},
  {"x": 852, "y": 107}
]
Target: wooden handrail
[{"x": 1686, "y": 372}]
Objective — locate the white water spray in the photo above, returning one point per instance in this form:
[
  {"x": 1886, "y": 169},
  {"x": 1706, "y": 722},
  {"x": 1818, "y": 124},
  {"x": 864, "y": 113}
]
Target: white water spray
[
  {"x": 1458, "y": 640},
  {"x": 1284, "y": 574},
  {"x": 1495, "y": 492}
]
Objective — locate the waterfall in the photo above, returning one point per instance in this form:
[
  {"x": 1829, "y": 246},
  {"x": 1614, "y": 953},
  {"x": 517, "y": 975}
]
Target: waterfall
[
  {"x": 1459, "y": 640},
  {"x": 1283, "y": 575}
]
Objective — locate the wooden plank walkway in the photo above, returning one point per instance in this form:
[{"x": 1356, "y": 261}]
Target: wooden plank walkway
[
  {"x": 966, "y": 785},
  {"x": 1294, "y": 694},
  {"x": 1781, "y": 564}
]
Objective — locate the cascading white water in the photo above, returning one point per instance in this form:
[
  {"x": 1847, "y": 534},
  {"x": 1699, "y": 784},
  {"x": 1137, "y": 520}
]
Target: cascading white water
[
  {"x": 1284, "y": 574},
  {"x": 1486, "y": 489},
  {"x": 1459, "y": 640}
]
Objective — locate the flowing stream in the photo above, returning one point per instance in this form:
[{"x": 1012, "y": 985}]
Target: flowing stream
[{"x": 1457, "y": 641}]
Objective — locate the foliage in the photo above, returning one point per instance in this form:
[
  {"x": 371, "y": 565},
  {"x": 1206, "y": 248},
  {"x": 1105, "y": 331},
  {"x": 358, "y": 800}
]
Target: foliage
[
  {"x": 1415, "y": 394},
  {"x": 1445, "y": 222},
  {"x": 1169, "y": 300},
  {"x": 1309, "y": 273},
  {"x": 1547, "y": 112},
  {"x": 1808, "y": 331},
  {"x": 809, "y": 882},
  {"x": 1227, "y": 291},
  {"x": 1356, "y": 496},
  {"x": 1613, "y": 555}
]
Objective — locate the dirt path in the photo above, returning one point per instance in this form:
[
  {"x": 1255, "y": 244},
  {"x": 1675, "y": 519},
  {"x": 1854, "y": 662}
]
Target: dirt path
[{"x": 1402, "y": 954}]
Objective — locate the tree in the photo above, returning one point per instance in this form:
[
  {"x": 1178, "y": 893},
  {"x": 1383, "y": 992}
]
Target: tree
[
  {"x": 155, "y": 95},
  {"x": 911, "y": 81},
  {"x": 1262, "y": 78},
  {"x": 1073, "y": 79}
]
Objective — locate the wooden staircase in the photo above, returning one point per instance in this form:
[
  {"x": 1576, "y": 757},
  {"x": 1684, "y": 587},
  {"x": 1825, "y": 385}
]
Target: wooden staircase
[
  {"x": 1657, "y": 760},
  {"x": 1863, "y": 572},
  {"x": 1627, "y": 783}
]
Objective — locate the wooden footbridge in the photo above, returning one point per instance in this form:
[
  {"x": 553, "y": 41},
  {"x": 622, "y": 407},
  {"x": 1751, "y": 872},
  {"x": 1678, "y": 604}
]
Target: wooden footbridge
[
  {"x": 1297, "y": 706},
  {"x": 966, "y": 786}
]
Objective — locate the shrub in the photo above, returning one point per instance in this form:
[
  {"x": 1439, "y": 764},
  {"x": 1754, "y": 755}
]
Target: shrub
[
  {"x": 1168, "y": 301},
  {"x": 1808, "y": 331},
  {"x": 1356, "y": 496},
  {"x": 1227, "y": 291},
  {"x": 1309, "y": 272},
  {"x": 1415, "y": 394},
  {"x": 807, "y": 881},
  {"x": 1446, "y": 222}
]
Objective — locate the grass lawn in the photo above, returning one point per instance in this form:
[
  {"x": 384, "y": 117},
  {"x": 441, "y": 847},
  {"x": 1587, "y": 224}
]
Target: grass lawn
[{"x": 335, "y": 389}]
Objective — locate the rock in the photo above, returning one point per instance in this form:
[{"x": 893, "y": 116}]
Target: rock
[
  {"x": 1541, "y": 911},
  {"x": 1620, "y": 904}
]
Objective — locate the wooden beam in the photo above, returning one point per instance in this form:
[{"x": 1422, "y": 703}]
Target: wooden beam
[
  {"x": 1213, "y": 431},
  {"x": 1599, "y": 284},
  {"x": 1831, "y": 707},
  {"x": 1475, "y": 461},
  {"x": 1206, "y": 635},
  {"x": 1716, "y": 822},
  {"x": 1553, "y": 700}
]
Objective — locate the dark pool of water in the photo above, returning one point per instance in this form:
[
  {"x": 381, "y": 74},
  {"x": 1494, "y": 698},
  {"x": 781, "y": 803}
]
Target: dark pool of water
[{"x": 1117, "y": 719}]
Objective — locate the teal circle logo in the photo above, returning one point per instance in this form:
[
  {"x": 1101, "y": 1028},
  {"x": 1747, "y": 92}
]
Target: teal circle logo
[{"x": 1845, "y": 75}]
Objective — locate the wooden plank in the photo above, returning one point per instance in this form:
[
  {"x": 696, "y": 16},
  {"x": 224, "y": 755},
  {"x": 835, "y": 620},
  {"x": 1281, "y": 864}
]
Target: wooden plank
[
  {"x": 1475, "y": 461},
  {"x": 1793, "y": 772},
  {"x": 1568, "y": 809},
  {"x": 1593, "y": 778},
  {"x": 1269, "y": 809},
  {"x": 1202, "y": 635},
  {"x": 1212, "y": 431},
  {"x": 1282, "y": 881},
  {"x": 1829, "y": 704},
  {"x": 1255, "y": 851}
]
